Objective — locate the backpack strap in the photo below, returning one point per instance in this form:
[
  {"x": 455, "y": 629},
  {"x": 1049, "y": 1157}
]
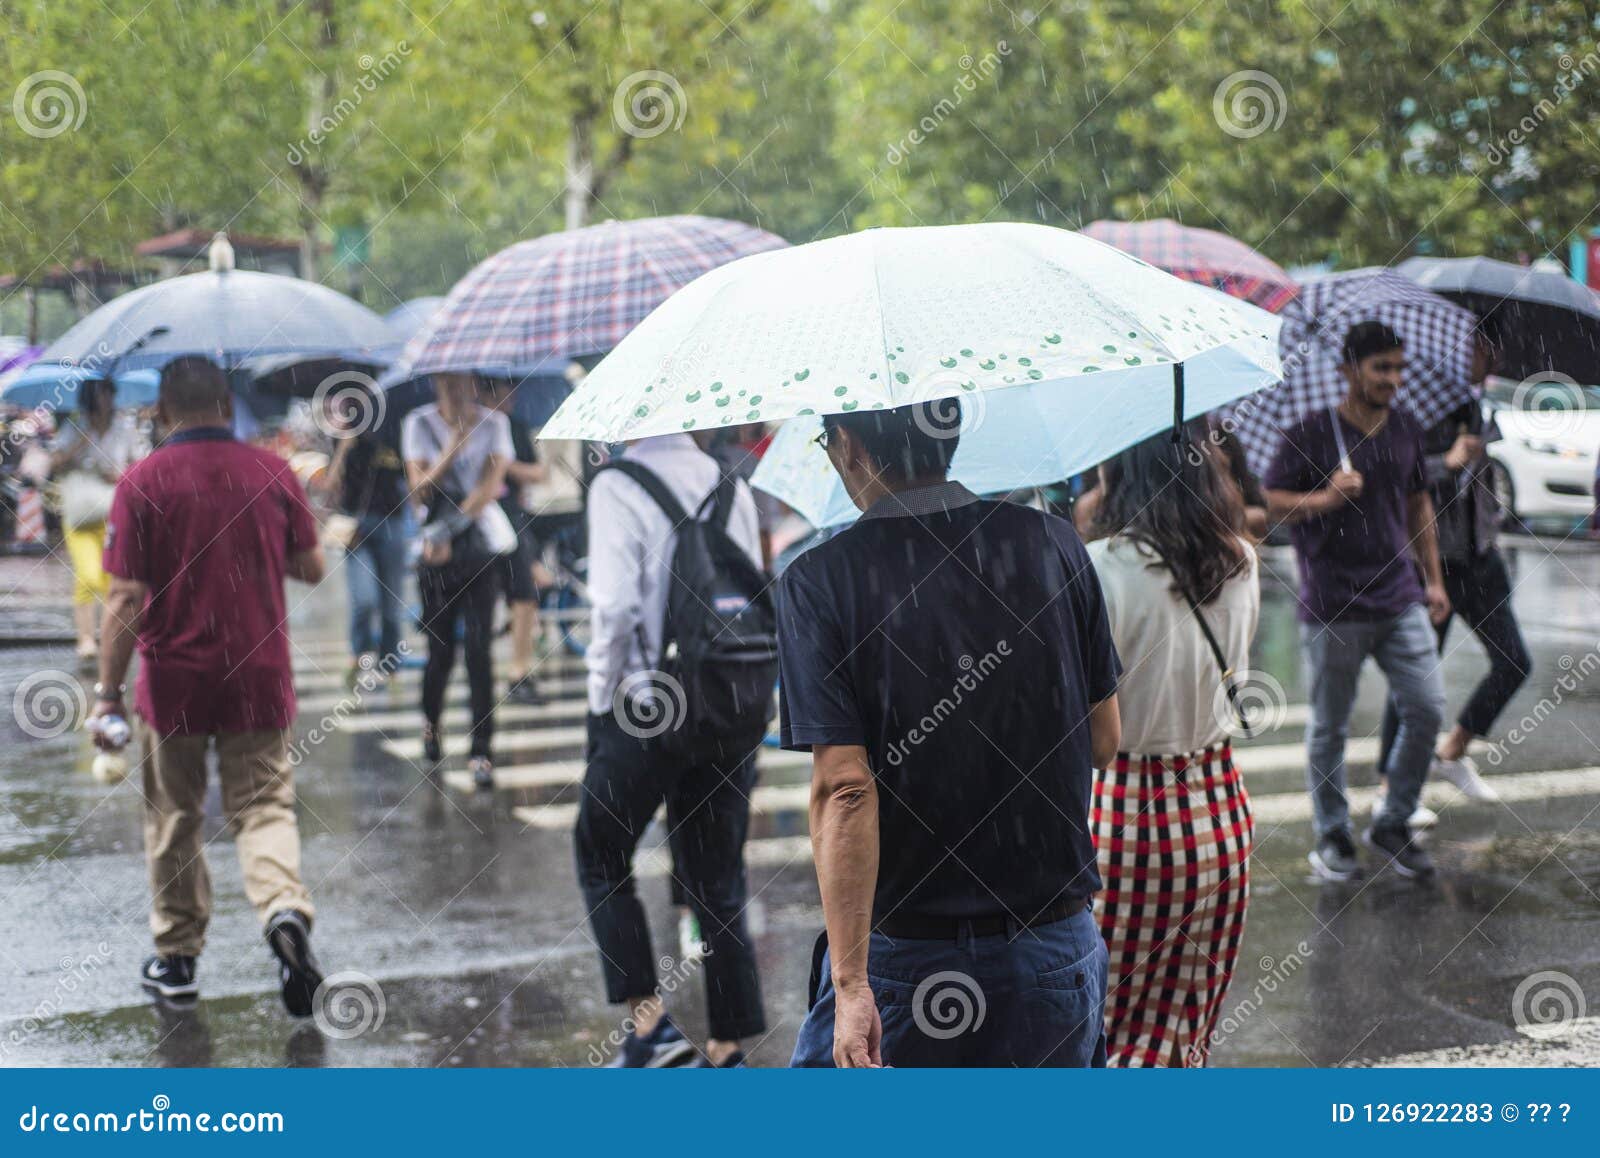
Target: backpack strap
[
  {"x": 720, "y": 500},
  {"x": 654, "y": 487}
]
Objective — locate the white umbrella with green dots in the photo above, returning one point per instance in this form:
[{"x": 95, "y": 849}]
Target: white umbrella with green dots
[{"x": 995, "y": 314}]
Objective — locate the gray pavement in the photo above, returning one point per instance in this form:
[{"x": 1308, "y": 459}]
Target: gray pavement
[{"x": 460, "y": 913}]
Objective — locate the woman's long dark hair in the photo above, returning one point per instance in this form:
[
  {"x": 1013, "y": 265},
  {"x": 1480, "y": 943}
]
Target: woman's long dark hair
[{"x": 1171, "y": 498}]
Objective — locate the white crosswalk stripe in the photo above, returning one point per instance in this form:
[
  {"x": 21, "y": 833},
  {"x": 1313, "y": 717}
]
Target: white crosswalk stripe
[{"x": 540, "y": 743}]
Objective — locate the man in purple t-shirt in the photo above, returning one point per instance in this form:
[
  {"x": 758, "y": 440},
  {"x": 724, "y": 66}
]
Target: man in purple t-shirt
[
  {"x": 1352, "y": 485},
  {"x": 201, "y": 536}
]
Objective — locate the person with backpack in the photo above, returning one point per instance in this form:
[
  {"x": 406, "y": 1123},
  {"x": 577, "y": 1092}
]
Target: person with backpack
[{"x": 682, "y": 661}]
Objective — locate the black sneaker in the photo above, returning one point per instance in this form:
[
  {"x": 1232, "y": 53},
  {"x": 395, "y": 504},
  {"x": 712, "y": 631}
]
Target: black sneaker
[
  {"x": 526, "y": 691},
  {"x": 432, "y": 744},
  {"x": 289, "y": 936},
  {"x": 665, "y": 1046},
  {"x": 734, "y": 1061},
  {"x": 1334, "y": 858},
  {"x": 169, "y": 976},
  {"x": 1406, "y": 856},
  {"x": 482, "y": 769}
]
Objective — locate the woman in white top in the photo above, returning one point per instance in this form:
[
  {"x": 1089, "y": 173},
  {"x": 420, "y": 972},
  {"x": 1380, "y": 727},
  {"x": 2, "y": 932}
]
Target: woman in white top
[
  {"x": 90, "y": 453},
  {"x": 456, "y": 452},
  {"x": 1171, "y": 817}
]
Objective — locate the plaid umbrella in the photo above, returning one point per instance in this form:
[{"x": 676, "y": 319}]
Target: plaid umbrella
[
  {"x": 539, "y": 304},
  {"x": 1438, "y": 336},
  {"x": 1201, "y": 255}
]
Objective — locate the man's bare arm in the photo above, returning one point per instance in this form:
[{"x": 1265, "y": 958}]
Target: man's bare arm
[
  {"x": 119, "y": 631},
  {"x": 1105, "y": 731},
  {"x": 844, "y": 839}
]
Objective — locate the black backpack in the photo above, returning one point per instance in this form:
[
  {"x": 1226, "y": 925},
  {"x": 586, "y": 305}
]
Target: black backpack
[{"x": 720, "y": 639}]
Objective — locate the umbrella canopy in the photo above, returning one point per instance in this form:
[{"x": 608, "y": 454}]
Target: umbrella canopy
[
  {"x": 1438, "y": 337},
  {"x": 49, "y": 387},
  {"x": 894, "y": 316},
  {"x": 534, "y": 307},
  {"x": 1201, "y": 255},
  {"x": 1022, "y": 436},
  {"x": 226, "y": 315},
  {"x": 409, "y": 317},
  {"x": 1541, "y": 320}
]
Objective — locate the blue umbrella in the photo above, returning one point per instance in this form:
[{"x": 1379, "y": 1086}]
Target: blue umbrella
[
  {"x": 227, "y": 315},
  {"x": 53, "y": 387},
  {"x": 409, "y": 317}
]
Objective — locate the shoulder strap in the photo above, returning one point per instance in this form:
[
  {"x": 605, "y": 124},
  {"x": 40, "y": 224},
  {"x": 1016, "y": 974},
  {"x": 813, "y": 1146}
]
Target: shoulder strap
[
  {"x": 720, "y": 500},
  {"x": 1222, "y": 660},
  {"x": 654, "y": 487}
]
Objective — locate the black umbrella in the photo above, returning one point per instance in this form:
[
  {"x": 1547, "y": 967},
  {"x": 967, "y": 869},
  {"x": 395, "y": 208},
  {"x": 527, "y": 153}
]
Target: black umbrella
[{"x": 1540, "y": 320}]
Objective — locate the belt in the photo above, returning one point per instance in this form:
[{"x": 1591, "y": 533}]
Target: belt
[{"x": 911, "y": 927}]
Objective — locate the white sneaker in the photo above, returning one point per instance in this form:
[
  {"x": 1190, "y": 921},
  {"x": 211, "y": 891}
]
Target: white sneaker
[
  {"x": 1423, "y": 817},
  {"x": 1463, "y": 773}
]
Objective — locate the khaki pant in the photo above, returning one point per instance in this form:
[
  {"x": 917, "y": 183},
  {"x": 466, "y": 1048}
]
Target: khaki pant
[{"x": 258, "y": 802}]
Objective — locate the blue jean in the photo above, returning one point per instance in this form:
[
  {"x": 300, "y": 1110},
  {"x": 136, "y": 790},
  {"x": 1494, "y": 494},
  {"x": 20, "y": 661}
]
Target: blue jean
[
  {"x": 375, "y": 576},
  {"x": 1035, "y": 1000},
  {"x": 1404, "y": 647}
]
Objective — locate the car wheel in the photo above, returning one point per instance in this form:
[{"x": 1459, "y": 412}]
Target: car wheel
[{"x": 1505, "y": 491}]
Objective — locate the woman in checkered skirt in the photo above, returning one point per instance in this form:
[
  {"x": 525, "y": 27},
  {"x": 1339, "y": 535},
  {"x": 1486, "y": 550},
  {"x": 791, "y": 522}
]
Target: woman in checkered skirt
[{"x": 1171, "y": 817}]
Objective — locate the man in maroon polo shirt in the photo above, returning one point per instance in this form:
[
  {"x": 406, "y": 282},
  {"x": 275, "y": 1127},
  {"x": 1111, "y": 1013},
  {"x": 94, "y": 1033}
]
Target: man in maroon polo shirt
[{"x": 201, "y": 535}]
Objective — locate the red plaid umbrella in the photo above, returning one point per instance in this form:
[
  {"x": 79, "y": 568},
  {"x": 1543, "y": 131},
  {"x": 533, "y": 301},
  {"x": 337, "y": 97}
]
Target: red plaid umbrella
[
  {"x": 1438, "y": 337},
  {"x": 1200, "y": 255},
  {"x": 535, "y": 306}
]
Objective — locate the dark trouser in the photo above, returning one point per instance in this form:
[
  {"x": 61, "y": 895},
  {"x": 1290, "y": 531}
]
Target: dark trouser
[
  {"x": 449, "y": 600},
  {"x": 708, "y": 813},
  {"x": 1480, "y": 593},
  {"x": 1037, "y": 999}
]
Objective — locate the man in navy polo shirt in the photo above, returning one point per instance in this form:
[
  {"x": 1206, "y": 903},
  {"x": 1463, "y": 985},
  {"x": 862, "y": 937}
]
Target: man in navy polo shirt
[
  {"x": 948, "y": 663},
  {"x": 1352, "y": 483},
  {"x": 201, "y": 536}
]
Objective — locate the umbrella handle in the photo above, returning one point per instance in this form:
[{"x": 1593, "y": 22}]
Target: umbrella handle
[{"x": 1177, "y": 402}]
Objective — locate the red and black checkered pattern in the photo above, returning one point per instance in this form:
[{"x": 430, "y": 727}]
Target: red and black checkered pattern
[
  {"x": 1173, "y": 836},
  {"x": 538, "y": 304},
  {"x": 1200, "y": 255},
  {"x": 1438, "y": 337}
]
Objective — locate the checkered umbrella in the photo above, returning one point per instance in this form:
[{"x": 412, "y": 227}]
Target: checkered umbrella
[
  {"x": 1438, "y": 337},
  {"x": 535, "y": 306},
  {"x": 1201, "y": 255}
]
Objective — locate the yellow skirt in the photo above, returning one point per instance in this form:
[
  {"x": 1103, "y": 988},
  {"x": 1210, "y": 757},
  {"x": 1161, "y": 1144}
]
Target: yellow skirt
[{"x": 85, "y": 545}]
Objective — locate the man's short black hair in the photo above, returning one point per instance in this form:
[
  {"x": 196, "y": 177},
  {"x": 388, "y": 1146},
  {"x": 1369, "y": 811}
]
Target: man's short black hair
[
  {"x": 194, "y": 387},
  {"x": 913, "y": 441},
  {"x": 1365, "y": 339}
]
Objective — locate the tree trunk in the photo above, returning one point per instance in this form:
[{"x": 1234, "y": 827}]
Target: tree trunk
[{"x": 580, "y": 168}]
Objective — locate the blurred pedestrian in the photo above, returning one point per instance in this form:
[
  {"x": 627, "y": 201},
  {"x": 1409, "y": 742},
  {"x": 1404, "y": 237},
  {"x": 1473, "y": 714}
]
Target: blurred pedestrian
[
  {"x": 201, "y": 536},
  {"x": 367, "y": 480},
  {"x": 948, "y": 663},
  {"x": 91, "y": 450},
  {"x": 456, "y": 452},
  {"x": 670, "y": 721},
  {"x": 520, "y": 566},
  {"x": 1467, "y": 514},
  {"x": 1352, "y": 483},
  {"x": 1183, "y": 596}
]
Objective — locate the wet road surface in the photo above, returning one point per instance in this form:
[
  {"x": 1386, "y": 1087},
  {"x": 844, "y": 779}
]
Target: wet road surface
[{"x": 457, "y": 915}]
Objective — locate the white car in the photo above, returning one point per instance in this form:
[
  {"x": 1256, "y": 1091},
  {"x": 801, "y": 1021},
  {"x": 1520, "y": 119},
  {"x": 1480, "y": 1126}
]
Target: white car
[{"x": 1544, "y": 465}]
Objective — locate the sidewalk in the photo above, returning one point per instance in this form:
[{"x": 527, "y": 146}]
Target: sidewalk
[{"x": 35, "y": 600}]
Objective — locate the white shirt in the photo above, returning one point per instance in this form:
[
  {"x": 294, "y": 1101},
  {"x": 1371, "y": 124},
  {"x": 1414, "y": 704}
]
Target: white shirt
[
  {"x": 630, "y": 556},
  {"x": 425, "y": 434},
  {"x": 1168, "y": 696}
]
